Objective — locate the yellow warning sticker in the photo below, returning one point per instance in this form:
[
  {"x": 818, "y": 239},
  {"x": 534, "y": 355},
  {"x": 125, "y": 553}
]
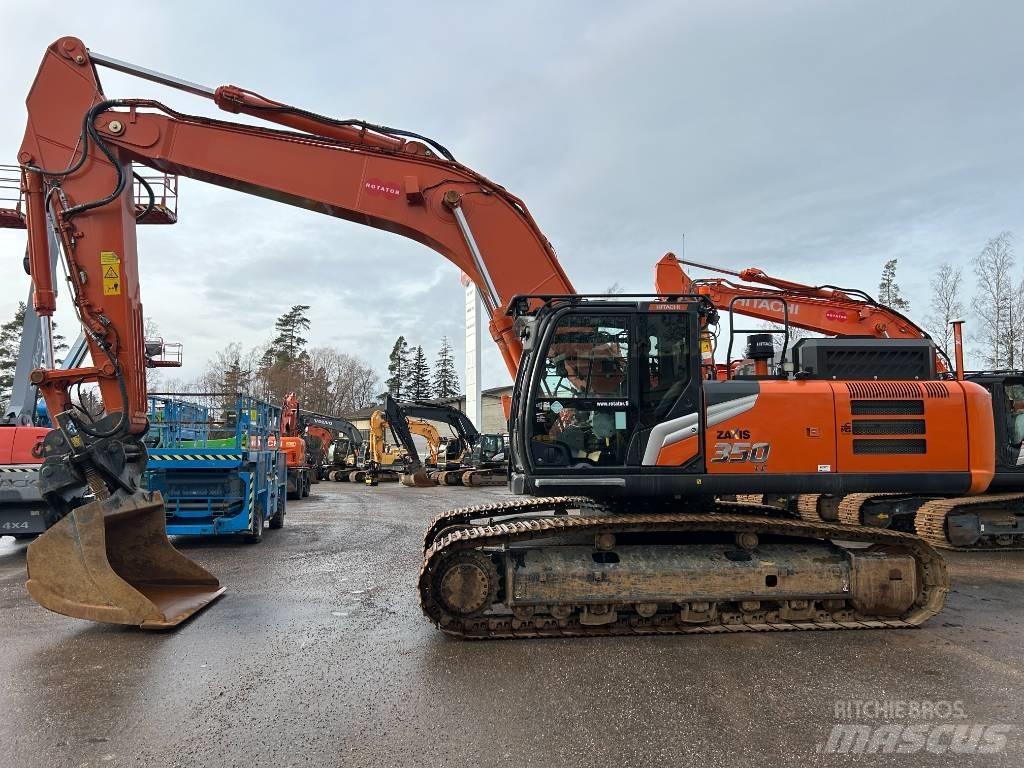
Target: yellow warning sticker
[{"x": 111, "y": 266}]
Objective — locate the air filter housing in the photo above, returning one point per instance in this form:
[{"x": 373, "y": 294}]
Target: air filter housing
[{"x": 855, "y": 358}]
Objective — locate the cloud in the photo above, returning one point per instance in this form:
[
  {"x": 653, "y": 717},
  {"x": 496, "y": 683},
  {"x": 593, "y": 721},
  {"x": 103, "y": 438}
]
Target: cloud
[{"x": 813, "y": 140}]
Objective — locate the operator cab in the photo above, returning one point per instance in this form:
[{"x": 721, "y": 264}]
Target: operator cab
[
  {"x": 1007, "y": 390},
  {"x": 598, "y": 381},
  {"x": 490, "y": 447}
]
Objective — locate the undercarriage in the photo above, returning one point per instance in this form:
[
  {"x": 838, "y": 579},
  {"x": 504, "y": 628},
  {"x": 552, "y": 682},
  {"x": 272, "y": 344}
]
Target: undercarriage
[{"x": 568, "y": 566}]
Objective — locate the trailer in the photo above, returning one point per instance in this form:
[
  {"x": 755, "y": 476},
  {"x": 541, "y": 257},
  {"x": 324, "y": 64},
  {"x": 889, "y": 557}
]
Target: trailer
[{"x": 216, "y": 460}]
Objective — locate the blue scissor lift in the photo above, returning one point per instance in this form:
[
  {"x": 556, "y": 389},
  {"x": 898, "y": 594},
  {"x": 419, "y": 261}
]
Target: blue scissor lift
[{"x": 216, "y": 461}]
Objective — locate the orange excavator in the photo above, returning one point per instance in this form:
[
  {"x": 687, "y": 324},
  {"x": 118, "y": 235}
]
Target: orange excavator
[
  {"x": 293, "y": 445},
  {"x": 614, "y": 430},
  {"x": 335, "y": 444},
  {"x": 989, "y": 521}
]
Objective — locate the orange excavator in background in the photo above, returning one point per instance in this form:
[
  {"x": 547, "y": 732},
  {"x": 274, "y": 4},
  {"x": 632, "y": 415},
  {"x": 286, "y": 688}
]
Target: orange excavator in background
[
  {"x": 989, "y": 521},
  {"x": 610, "y": 412},
  {"x": 293, "y": 445},
  {"x": 335, "y": 444}
]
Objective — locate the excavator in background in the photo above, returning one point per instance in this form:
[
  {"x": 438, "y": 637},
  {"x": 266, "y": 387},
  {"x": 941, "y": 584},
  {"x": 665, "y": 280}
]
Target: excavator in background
[
  {"x": 465, "y": 457},
  {"x": 994, "y": 520},
  {"x": 487, "y": 463},
  {"x": 335, "y": 444},
  {"x": 408, "y": 418},
  {"x": 614, "y": 430},
  {"x": 398, "y": 461},
  {"x": 295, "y": 448}
]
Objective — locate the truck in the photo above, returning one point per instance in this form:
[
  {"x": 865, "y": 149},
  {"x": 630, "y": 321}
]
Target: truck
[{"x": 216, "y": 461}]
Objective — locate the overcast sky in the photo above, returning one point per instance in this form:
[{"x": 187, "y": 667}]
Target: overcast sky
[{"x": 814, "y": 140}]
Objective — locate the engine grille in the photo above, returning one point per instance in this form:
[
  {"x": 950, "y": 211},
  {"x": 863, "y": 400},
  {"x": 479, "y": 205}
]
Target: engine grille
[
  {"x": 889, "y": 427},
  {"x": 892, "y": 447},
  {"x": 887, "y": 407},
  {"x": 884, "y": 389}
]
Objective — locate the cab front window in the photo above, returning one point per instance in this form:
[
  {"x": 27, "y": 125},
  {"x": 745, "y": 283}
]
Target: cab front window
[{"x": 582, "y": 414}]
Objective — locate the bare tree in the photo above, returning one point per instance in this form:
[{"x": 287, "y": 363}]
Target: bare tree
[
  {"x": 997, "y": 307},
  {"x": 339, "y": 382},
  {"x": 945, "y": 304}
]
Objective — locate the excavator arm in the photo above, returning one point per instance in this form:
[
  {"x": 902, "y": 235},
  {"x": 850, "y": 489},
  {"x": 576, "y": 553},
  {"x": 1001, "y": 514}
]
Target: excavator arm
[
  {"x": 417, "y": 413},
  {"x": 330, "y": 425},
  {"x": 76, "y": 160},
  {"x": 823, "y": 309},
  {"x": 826, "y": 309},
  {"x": 458, "y": 421},
  {"x": 402, "y": 426}
]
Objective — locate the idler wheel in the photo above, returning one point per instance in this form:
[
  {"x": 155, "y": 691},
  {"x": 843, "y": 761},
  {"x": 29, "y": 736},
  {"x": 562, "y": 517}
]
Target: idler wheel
[{"x": 467, "y": 583}]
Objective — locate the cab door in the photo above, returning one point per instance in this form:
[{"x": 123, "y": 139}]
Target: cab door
[
  {"x": 582, "y": 407},
  {"x": 670, "y": 393}
]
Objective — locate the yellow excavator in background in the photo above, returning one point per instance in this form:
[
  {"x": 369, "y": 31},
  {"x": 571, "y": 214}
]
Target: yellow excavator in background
[{"x": 386, "y": 460}]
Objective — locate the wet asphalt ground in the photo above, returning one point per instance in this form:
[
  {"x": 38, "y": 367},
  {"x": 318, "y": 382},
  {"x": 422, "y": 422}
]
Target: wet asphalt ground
[{"x": 318, "y": 655}]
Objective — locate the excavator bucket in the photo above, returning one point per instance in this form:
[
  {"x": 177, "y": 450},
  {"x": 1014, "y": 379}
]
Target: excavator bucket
[
  {"x": 418, "y": 479},
  {"x": 111, "y": 561}
]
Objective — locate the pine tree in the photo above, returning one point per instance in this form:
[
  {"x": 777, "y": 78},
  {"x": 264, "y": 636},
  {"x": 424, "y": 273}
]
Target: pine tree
[
  {"x": 235, "y": 379},
  {"x": 288, "y": 351},
  {"x": 10, "y": 346},
  {"x": 10, "y": 340},
  {"x": 446, "y": 379},
  {"x": 398, "y": 369},
  {"x": 289, "y": 344},
  {"x": 888, "y": 290},
  {"x": 419, "y": 376}
]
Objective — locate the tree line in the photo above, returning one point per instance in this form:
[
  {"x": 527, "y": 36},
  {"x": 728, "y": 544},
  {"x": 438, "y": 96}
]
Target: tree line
[
  {"x": 324, "y": 378},
  {"x": 410, "y": 377},
  {"x": 994, "y": 334},
  {"x": 331, "y": 381},
  {"x": 997, "y": 333}
]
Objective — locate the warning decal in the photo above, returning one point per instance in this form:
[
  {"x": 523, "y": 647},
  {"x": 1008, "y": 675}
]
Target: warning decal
[{"x": 111, "y": 273}]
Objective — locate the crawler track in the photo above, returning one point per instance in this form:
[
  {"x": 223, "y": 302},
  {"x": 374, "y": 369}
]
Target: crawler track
[
  {"x": 473, "y": 539},
  {"x": 818, "y": 507},
  {"x": 850, "y": 506},
  {"x": 930, "y": 521}
]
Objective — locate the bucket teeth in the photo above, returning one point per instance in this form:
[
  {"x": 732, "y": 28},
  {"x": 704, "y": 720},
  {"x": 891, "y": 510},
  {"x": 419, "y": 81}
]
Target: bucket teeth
[{"x": 111, "y": 561}]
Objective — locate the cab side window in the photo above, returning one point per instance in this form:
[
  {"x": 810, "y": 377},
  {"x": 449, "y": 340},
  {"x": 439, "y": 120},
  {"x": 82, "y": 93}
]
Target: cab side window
[{"x": 664, "y": 365}]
